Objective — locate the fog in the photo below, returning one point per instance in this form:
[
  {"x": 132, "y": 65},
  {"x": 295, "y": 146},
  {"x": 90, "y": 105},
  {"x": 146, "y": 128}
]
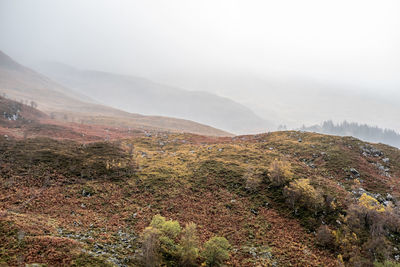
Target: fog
[{"x": 292, "y": 62}]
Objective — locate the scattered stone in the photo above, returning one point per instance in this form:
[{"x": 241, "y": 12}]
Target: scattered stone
[
  {"x": 383, "y": 170},
  {"x": 355, "y": 172},
  {"x": 309, "y": 163},
  {"x": 262, "y": 254},
  {"x": 369, "y": 150}
]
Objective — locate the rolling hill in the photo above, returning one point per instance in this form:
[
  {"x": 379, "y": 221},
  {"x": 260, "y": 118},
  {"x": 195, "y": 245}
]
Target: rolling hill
[
  {"x": 143, "y": 96},
  {"x": 280, "y": 199},
  {"x": 23, "y": 84}
]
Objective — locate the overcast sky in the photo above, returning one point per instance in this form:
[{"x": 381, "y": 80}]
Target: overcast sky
[{"x": 349, "y": 42}]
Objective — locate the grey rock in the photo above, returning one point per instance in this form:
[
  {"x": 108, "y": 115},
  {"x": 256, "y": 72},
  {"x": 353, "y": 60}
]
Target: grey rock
[
  {"x": 254, "y": 211},
  {"x": 85, "y": 193},
  {"x": 355, "y": 172}
]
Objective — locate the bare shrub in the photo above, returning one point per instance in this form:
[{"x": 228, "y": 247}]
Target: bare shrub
[
  {"x": 253, "y": 181},
  {"x": 150, "y": 240},
  {"x": 325, "y": 237}
]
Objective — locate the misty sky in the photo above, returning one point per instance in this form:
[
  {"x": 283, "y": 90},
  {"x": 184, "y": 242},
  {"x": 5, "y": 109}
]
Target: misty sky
[{"x": 351, "y": 43}]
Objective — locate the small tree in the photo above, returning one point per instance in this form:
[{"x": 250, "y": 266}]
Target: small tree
[
  {"x": 280, "y": 172},
  {"x": 169, "y": 231},
  {"x": 189, "y": 251},
  {"x": 216, "y": 251},
  {"x": 150, "y": 247},
  {"x": 157, "y": 221}
]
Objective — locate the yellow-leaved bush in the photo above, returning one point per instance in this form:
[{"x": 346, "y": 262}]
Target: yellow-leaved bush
[
  {"x": 280, "y": 172},
  {"x": 299, "y": 193},
  {"x": 370, "y": 203}
]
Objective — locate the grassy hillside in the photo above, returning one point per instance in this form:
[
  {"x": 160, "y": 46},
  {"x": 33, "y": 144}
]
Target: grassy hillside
[{"x": 86, "y": 204}]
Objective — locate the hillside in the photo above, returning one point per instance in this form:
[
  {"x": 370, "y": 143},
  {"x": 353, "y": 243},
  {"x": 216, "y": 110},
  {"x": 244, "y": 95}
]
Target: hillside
[
  {"x": 66, "y": 202},
  {"x": 23, "y": 84},
  {"x": 143, "y": 96},
  {"x": 23, "y": 121}
]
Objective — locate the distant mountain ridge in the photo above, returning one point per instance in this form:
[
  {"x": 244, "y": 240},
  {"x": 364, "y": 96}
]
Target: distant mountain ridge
[
  {"x": 135, "y": 94},
  {"x": 24, "y": 84}
]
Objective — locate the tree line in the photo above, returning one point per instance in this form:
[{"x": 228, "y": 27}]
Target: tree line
[{"x": 362, "y": 131}]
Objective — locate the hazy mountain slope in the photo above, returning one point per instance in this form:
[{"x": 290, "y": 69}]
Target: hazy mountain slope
[
  {"x": 294, "y": 100},
  {"x": 21, "y": 83},
  {"x": 139, "y": 95}
]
